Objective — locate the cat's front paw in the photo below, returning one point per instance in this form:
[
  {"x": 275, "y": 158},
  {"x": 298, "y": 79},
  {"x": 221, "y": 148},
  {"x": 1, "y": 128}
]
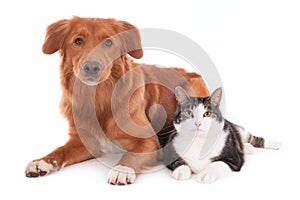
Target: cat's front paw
[
  {"x": 207, "y": 177},
  {"x": 182, "y": 173},
  {"x": 213, "y": 172},
  {"x": 121, "y": 175}
]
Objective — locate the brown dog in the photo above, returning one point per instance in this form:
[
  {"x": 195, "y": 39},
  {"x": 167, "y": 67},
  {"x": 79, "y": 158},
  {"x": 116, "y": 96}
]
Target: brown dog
[{"x": 109, "y": 101}]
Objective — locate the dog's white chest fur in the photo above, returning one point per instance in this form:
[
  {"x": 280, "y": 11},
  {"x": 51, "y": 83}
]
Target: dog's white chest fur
[{"x": 189, "y": 147}]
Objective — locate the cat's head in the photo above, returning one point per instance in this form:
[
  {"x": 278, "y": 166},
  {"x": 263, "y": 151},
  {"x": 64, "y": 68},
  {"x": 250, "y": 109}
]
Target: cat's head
[{"x": 197, "y": 113}]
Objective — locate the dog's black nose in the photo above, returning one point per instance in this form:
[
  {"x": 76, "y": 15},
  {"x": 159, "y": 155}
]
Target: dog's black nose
[{"x": 91, "y": 67}]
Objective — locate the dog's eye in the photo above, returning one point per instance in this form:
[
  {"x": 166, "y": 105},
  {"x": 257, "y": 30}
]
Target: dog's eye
[
  {"x": 108, "y": 42},
  {"x": 78, "y": 41}
]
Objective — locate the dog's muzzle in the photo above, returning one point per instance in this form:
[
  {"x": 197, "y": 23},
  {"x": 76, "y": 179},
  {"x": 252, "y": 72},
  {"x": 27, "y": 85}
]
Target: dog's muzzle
[
  {"x": 90, "y": 72},
  {"x": 91, "y": 68}
]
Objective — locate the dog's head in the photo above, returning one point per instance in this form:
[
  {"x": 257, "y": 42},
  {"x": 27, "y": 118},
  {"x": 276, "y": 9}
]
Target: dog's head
[{"x": 91, "y": 45}]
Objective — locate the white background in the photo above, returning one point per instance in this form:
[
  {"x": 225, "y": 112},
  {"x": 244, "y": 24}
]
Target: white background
[{"x": 255, "y": 46}]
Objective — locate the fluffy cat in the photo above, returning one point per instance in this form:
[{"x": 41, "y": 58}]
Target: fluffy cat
[{"x": 192, "y": 122}]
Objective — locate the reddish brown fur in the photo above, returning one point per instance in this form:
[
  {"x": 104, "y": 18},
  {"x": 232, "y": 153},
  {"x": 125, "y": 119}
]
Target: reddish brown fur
[{"x": 60, "y": 37}]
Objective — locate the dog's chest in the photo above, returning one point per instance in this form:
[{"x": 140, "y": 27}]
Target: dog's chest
[{"x": 110, "y": 146}]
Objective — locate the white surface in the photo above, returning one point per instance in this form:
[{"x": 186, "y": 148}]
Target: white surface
[{"x": 254, "y": 44}]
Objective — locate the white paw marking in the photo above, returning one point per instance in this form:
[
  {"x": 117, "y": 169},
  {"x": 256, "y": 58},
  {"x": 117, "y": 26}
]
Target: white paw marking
[
  {"x": 182, "y": 173},
  {"x": 213, "y": 172},
  {"x": 269, "y": 144},
  {"x": 39, "y": 168},
  {"x": 121, "y": 175},
  {"x": 207, "y": 176},
  {"x": 248, "y": 148}
]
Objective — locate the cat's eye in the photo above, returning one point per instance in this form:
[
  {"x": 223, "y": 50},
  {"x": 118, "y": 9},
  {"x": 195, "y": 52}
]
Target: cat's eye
[
  {"x": 188, "y": 113},
  {"x": 207, "y": 114},
  {"x": 78, "y": 41}
]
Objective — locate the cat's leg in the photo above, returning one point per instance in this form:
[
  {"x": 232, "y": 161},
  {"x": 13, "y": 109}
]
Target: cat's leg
[
  {"x": 213, "y": 172},
  {"x": 259, "y": 142},
  {"x": 248, "y": 148},
  {"x": 272, "y": 144},
  {"x": 180, "y": 169},
  {"x": 182, "y": 173}
]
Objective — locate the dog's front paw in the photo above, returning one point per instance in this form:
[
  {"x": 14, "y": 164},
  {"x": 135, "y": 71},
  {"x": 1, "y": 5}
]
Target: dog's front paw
[
  {"x": 121, "y": 175},
  {"x": 39, "y": 168},
  {"x": 182, "y": 173}
]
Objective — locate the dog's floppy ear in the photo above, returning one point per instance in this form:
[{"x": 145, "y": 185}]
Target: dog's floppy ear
[
  {"x": 55, "y": 36},
  {"x": 132, "y": 39}
]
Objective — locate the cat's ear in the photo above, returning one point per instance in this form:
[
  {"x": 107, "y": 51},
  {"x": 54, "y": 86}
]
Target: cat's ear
[
  {"x": 181, "y": 95},
  {"x": 216, "y": 97}
]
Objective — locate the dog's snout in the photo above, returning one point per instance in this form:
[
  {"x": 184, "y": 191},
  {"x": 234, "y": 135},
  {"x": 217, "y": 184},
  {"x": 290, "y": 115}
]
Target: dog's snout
[{"x": 91, "y": 67}]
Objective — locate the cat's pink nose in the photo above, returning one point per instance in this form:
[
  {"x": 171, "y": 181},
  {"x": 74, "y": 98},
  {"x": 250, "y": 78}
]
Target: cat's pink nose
[{"x": 198, "y": 124}]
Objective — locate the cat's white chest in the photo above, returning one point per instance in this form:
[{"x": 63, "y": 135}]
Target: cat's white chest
[{"x": 198, "y": 150}]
